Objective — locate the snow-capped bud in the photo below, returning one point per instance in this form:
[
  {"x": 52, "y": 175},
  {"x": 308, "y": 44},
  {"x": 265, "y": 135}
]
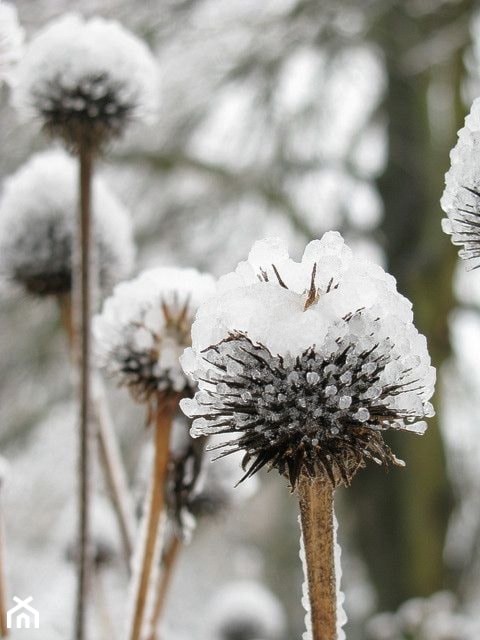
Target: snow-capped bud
[
  {"x": 308, "y": 363},
  {"x": 86, "y": 79},
  {"x": 145, "y": 326},
  {"x": 37, "y": 225}
]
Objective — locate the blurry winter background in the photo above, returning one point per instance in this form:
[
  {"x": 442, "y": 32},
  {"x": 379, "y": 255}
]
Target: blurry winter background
[{"x": 287, "y": 118}]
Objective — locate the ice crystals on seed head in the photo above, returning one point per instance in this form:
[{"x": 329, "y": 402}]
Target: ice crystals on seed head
[{"x": 308, "y": 388}]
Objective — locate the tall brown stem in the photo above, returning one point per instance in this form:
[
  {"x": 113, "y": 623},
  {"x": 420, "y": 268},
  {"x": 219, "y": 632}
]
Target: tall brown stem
[
  {"x": 108, "y": 448},
  {"x": 316, "y": 514},
  {"x": 163, "y": 425},
  {"x": 82, "y": 315},
  {"x": 168, "y": 565}
]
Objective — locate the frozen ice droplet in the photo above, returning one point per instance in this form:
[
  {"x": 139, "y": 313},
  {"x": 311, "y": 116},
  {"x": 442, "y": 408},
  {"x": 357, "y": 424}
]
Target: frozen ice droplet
[
  {"x": 330, "y": 390},
  {"x": 345, "y": 402},
  {"x": 362, "y": 415},
  {"x": 312, "y": 377}
]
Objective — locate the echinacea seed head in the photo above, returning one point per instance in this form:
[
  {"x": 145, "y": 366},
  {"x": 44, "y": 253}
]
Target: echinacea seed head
[
  {"x": 145, "y": 326},
  {"x": 86, "y": 80},
  {"x": 304, "y": 366},
  {"x": 37, "y": 225}
]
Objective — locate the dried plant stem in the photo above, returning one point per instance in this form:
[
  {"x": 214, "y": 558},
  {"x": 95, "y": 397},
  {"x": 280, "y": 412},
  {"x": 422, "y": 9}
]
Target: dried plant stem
[
  {"x": 163, "y": 426},
  {"x": 168, "y": 565},
  {"x": 114, "y": 469},
  {"x": 4, "y": 632},
  {"x": 316, "y": 514},
  {"x": 108, "y": 448},
  {"x": 82, "y": 318}
]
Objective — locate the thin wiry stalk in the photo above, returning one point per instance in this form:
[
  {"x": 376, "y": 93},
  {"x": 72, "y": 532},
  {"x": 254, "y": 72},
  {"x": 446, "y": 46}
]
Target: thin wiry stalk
[
  {"x": 143, "y": 581},
  {"x": 4, "y": 632},
  {"x": 108, "y": 448},
  {"x": 82, "y": 315},
  {"x": 114, "y": 469},
  {"x": 168, "y": 566},
  {"x": 316, "y": 514}
]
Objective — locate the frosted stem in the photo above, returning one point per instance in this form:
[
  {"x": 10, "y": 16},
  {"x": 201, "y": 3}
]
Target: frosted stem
[
  {"x": 82, "y": 317},
  {"x": 4, "y": 632},
  {"x": 316, "y": 514},
  {"x": 163, "y": 426},
  {"x": 168, "y": 565},
  {"x": 114, "y": 470},
  {"x": 108, "y": 448}
]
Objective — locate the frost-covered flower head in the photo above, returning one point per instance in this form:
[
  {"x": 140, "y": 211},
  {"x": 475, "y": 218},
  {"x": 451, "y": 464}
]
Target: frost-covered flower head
[
  {"x": 308, "y": 363},
  {"x": 145, "y": 326},
  {"x": 11, "y": 39},
  {"x": 86, "y": 79},
  {"x": 37, "y": 224},
  {"x": 461, "y": 197},
  {"x": 245, "y": 610},
  {"x": 197, "y": 488}
]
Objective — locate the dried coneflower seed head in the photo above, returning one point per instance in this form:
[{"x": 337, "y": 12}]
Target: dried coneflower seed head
[
  {"x": 461, "y": 197},
  {"x": 308, "y": 363},
  {"x": 86, "y": 80},
  {"x": 37, "y": 225},
  {"x": 145, "y": 326}
]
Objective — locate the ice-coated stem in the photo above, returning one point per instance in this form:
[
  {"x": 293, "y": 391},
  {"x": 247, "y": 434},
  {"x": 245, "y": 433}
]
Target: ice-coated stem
[
  {"x": 317, "y": 519},
  {"x": 82, "y": 318},
  {"x": 143, "y": 581},
  {"x": 168, "y": 565},
  {"x": 108, "y": 447}
]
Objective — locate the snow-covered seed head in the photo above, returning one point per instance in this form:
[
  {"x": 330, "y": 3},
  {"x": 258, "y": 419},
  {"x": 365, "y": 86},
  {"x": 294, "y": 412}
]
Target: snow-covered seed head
[
  {"x": 37, "y": 225},
  {"x": 86, "y": 80},
  {"x": 11, "y": 39},
  {"x": 145, "y": 326},
  {"x": 308, "y": 363},
  {"x": 246, "y": 610},
  {"x": 196, "y": 488},
  {"x": 461, "y": 197}
]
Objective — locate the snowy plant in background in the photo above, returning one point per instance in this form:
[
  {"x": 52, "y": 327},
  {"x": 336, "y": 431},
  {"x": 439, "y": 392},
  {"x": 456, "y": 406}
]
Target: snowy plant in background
[
  {"x": 11, "y": 40},
  {"x": 246, "y": 610},
  {"x": 308, "y": 364},
  {"x": 37, "y": 225},
  {"x": 85, "y": 81},
  {"x": 142, "y": 330},
  {"x": 438, "y": 617},
  {"x": 461, "y": 197},
  {"x": 86, "y": 77}
]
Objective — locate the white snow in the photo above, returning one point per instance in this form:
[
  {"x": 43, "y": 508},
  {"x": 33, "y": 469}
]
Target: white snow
[{"x": 11, "y": 40}]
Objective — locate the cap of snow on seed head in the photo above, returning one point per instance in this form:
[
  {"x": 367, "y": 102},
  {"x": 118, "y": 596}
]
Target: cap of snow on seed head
[
  {"x": 246, "y": 610},
  {"x": 86, "y": 79},
  {"x": 37, "y": 222},
  {"x": 308, "y": 363},
  {"x": 11, "y": 39},
  {"x": 145, "y": 326},
  {"x": 461, "y": 197}
]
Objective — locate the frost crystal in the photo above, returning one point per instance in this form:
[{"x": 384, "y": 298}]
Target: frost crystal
[
  {"x": 37, "y": 222},
  {"x": 308, "y": 363},
  {"x": 461, "y": 197},
  {"x": 145, "y": 326},
  {"x": 246, "y": 610},
  {"x": 11, "y": 39},
  {"x": 86, "y": 78}
]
